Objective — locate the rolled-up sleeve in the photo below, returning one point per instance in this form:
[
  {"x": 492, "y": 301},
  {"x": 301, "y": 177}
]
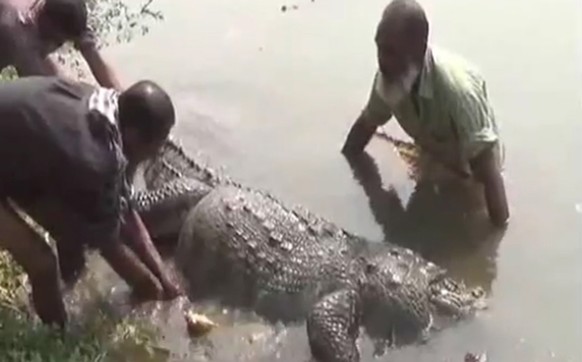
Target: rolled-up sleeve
[
  {"x": 376, "y": 110},
  {"x": 474, "y": 118}
]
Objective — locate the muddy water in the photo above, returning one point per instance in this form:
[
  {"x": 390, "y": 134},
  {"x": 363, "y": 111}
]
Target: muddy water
[{"x": 270, "y": 95}]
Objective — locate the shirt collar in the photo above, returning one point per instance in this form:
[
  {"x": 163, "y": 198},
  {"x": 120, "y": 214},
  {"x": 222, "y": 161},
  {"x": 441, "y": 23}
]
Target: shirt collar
[{"x": 105, "y": 102}]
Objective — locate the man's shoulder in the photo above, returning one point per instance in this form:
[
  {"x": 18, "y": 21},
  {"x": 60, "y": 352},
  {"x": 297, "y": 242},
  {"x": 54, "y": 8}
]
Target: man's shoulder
[
  {"x": 445, "y": 58},
  {"x": 458, "y": 81},
  {"x": 456, "y": 71},
  {"x": 376, "y": 108}
]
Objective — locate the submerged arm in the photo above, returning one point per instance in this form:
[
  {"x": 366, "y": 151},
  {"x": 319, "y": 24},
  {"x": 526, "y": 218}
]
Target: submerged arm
[
  {"x": 487, "y": 172},
  {"x": 375, "y": 114},
  {"x": 359, "y": 136}
]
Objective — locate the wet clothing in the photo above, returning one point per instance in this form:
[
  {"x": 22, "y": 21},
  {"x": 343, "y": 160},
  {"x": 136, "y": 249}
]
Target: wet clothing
[
  {"x": 20, "y": 43},
  {"x": 59, "y": 139},
  {"x": 450, "y": 105}
]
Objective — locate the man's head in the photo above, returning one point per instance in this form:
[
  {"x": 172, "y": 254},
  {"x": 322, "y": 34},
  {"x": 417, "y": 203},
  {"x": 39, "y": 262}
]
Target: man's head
[
  {"x": 146, "y": 116},
  {"x": 401, "y": 40},
  {"x": 59, "y": 21}
]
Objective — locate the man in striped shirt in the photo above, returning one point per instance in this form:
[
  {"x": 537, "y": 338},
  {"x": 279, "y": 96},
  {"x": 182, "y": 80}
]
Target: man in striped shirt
[
  {"x": 32, "y": 30},
  {"x": 439, "y": 99},
  {"x": 68, "y": 153}
]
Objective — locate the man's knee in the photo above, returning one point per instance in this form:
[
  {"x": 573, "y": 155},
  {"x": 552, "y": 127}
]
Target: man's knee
[{"x": 29, "y": 248}]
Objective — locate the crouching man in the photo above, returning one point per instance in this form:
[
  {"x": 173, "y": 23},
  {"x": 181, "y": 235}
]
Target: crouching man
[{"x": 68, "y": 152}]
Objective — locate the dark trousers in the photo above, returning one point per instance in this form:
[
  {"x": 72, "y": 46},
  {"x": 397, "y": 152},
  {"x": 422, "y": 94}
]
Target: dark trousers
[{"x": 35, "y": 253}]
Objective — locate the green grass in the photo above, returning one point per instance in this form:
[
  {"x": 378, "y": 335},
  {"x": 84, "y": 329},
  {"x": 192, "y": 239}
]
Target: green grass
[
  {"x": 101, "y": 338},
  {"x": 8, "y": 73}
]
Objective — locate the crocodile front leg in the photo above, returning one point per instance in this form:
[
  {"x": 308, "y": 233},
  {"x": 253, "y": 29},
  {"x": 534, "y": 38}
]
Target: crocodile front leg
[{"x": 333, "y": 327}]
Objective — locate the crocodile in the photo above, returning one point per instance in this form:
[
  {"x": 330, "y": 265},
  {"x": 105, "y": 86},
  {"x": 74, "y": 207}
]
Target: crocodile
[{"x": 248, "y": 249}]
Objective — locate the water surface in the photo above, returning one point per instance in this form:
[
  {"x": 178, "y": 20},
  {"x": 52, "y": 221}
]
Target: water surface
[{"x": 270, "y": 95}]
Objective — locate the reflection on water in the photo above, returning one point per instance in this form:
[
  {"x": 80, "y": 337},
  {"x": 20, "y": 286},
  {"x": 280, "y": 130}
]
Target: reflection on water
[
  {"x": 444, "y": 221},
  {"x": 271, "y": 96}
]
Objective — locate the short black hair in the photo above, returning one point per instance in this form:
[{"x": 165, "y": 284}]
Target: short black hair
[
  {"x": 146, "y": 107},
  {"x": 69, "y": 15}
]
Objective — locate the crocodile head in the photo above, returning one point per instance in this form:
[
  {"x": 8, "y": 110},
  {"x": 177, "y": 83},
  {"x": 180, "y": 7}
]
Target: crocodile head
[{"x": 403, "y": 292}]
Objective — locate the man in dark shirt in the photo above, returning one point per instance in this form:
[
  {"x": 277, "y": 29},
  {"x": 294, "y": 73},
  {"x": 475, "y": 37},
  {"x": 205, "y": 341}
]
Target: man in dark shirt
[
  {"x": 68, "y": 152},
  {"x": 31, "y": 30}
]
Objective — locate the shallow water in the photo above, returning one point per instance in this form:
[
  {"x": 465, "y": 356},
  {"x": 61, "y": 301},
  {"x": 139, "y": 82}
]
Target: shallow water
[{"x": 271, "y": 95}]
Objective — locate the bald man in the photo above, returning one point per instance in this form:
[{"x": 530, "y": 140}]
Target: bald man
[
  {"x": 439, "y": 99},
  {"x": 68, "y": 152}
]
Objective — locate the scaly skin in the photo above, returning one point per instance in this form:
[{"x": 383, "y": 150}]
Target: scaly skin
[
  {"x": 248, "y": 249},
  {"x": 173, "y": 162}
]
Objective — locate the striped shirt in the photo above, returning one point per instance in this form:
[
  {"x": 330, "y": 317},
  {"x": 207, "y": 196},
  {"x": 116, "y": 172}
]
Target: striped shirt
[
  {"x": 60, "y": 139},
  {"x": 450, "y": 107},
  {"x": 103, "y": 103}
]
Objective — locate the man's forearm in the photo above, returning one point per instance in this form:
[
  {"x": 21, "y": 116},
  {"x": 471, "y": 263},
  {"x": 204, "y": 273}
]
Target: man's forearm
[
  {"x": 358, "y": 137},
  {"x": 137, "y": 237},
  {"x": 496, "y": 202},
  {"x": 128, "y": 266},
  {"x": 103, "y": 72},
  {"x": 487, "y": 172}
]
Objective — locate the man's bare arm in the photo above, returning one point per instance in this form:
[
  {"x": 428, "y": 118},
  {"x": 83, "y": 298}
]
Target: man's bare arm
[
  {"x": 359, "y": 136},
  {"x": 102, "y": 71},
  {"x": 487, "y": 172},
  {"x": 125, "y": 263},
  {"x": 136, "y": 236}
]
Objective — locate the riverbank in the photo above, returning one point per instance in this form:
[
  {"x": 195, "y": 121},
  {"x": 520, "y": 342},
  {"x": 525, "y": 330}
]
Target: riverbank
[
  {"x": 98, "y": 338},
  {"x": 93, "y": 335}
]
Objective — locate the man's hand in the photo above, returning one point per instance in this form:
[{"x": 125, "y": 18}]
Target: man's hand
[
  {"x": 136, "y": 236},
  {"x": 487, "y": 172},
  {"x": 358, "y": 137},
  {"x": 125, "y": 263}
]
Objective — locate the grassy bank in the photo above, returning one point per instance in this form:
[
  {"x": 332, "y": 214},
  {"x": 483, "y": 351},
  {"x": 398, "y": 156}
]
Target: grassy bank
[{"x": 100, "y": 338}]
